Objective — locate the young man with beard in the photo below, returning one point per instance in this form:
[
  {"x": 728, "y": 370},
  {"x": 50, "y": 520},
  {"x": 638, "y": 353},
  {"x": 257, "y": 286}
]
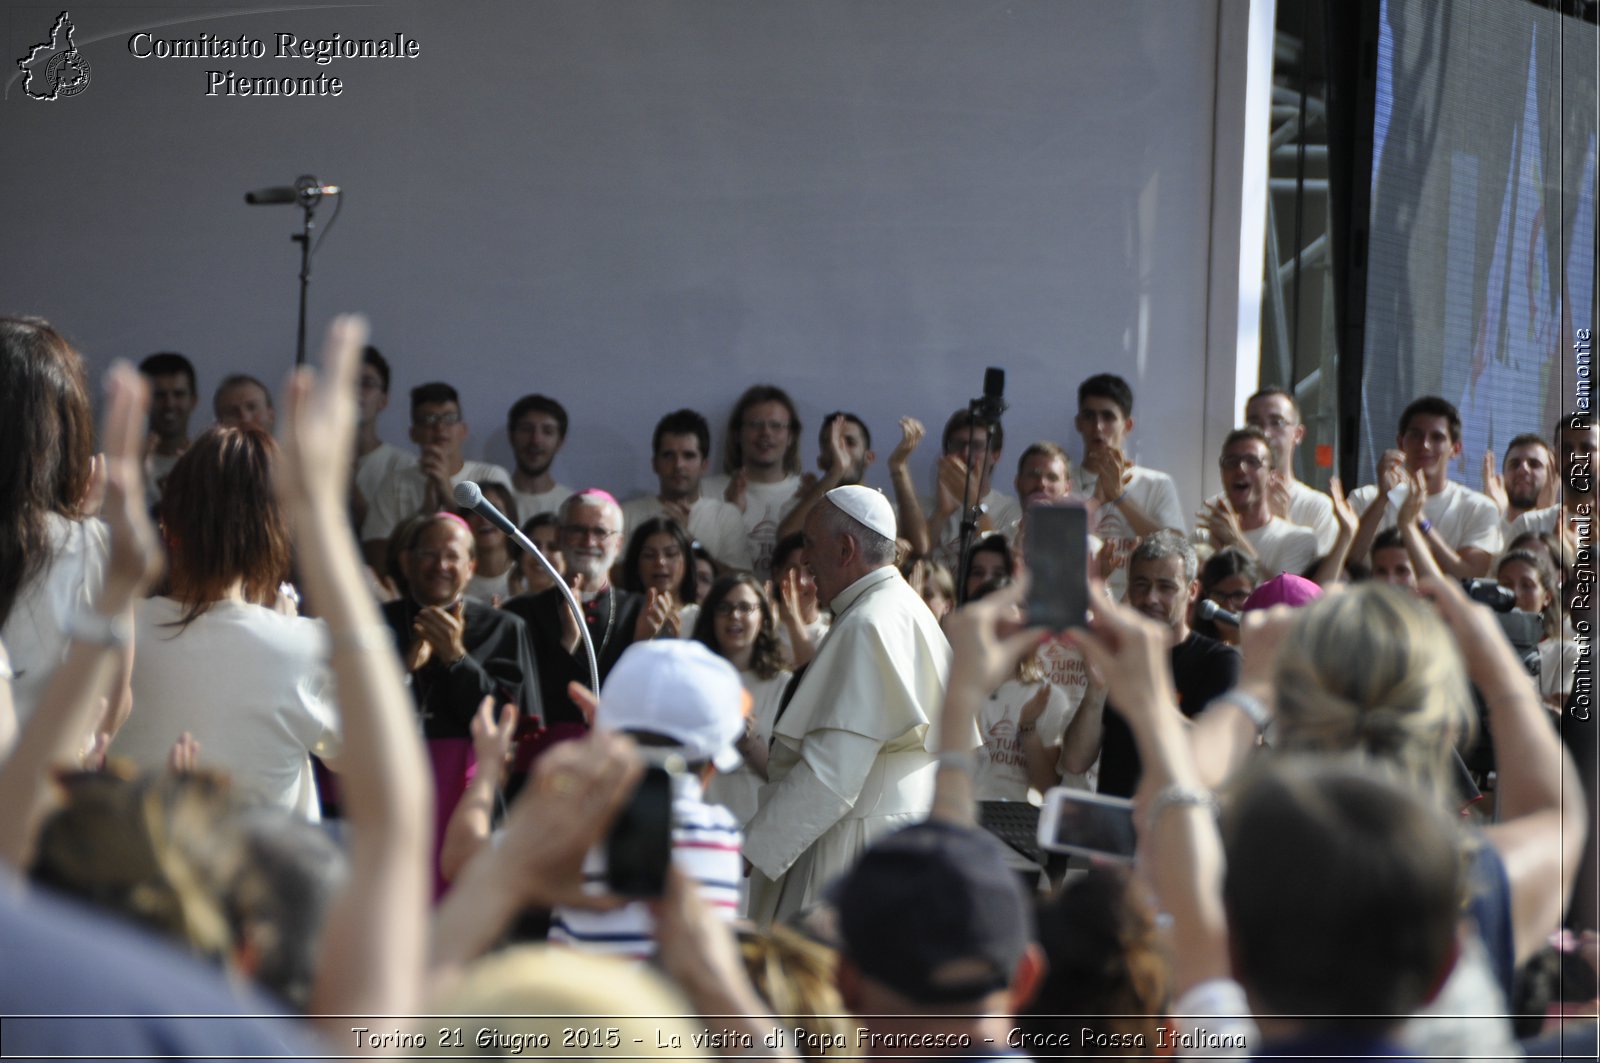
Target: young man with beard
[
  {"x": 1576, "y": 436},
  {"x": 1162, "y": 585},
  {"x": 680, "y": 449},
  {"x": 1527, "y": 479},
  {"x": 173, "y": 395},
  {"x": 844, "y": 451},
  {"x": 963, "y": 475},
  {"x": 537, "y": 428},
  {"x": 1241, "y": 516},
  {"x": 761, "y": 467},
  {"x": 591, "y": 539},
  {"x": 1461, "y": 526}
]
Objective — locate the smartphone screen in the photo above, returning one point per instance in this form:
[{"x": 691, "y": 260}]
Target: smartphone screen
[
  {"x": 1057, "y": 546},
  {"x": 1077, "y": 821},
  {"x": 639, "y": 847}
]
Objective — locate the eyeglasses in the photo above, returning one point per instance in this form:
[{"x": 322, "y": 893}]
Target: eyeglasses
[
  {"x": 1230, "y": 598},
  {"x": 437, "y": 420},
  {"x": 739, "y": 609},
  {"x": 582, "y": 532},
  {"x": 768, "y": 426},
  {"x": 1242, "y": 461}
]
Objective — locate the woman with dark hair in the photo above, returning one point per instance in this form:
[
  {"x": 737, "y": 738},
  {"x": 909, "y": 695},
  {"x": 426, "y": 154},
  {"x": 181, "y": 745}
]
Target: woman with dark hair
[
  {"x": 660, "y": 558},
  {"x": 990, "y": 562},
  {"x": 52, "y": 559},
  {"x": 529, "y": 576},
  {"x": 706, "y": 571},
  {"x": 738, "y": 623},
  {"x": 215, "y": 659},
  {"x": 497, "y": 554},
  {"x": 1227, "y": 578}
]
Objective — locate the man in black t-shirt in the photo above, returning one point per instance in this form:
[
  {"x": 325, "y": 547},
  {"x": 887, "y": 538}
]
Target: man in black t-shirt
[{"x": 1162, "y": 585}]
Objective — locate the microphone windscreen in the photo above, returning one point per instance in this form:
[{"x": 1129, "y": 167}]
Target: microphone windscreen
[{"x": 468, "y": 495}]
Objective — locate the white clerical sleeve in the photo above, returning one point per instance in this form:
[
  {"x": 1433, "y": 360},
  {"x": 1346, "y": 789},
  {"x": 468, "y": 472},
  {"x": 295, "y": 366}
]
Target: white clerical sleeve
[{"x": 816, "y": 794}]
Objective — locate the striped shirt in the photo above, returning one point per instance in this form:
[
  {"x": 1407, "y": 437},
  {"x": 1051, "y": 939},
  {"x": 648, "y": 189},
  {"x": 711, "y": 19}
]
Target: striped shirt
[{"x": 706, "y": 843}]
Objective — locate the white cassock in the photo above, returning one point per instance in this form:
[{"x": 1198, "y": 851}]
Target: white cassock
[{"x": 852, "y": 756}]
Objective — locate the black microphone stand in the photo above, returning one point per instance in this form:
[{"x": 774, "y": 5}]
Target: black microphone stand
[{"x": 309, "y": 198}]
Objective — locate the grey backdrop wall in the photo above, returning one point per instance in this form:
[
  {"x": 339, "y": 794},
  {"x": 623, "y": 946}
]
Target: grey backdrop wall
[{"x": 635, "y": 205}]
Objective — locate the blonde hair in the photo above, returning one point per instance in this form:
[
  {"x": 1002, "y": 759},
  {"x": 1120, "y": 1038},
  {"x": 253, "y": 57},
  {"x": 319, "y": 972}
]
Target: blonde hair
[
  {"x": 795, "y": 976},
  {"x": 1374, "y": 672}
]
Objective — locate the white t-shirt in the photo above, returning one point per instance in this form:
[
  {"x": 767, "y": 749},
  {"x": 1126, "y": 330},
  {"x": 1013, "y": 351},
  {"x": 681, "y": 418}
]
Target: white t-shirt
[
  {"x": 1004, "y": 512},
  {"x": 1066, "y": 670},
  {"x": 1157, "y": 498},
  {"x": 1312, "y": 509},
  {"x": 35, "y": 631},
  {"x": 249, "y": 683},
  {"x": 714, "y": 524},
  {"x": 765, "y": 506},
  {"x": 378, "y": 465},
  {"x": 816, "y": 629},
  {"x": 1282, "y": 547},
  {"x": 1541, "y": 521},
  {"x": 400, "y": 497},
  {"x": 531, "y": 505},
  {"x": 1002, "y": 772},
  {"x": 485, "y": 588},
  {"x": 739, "y": 790},
  {"x": 1462, "y": 517}
]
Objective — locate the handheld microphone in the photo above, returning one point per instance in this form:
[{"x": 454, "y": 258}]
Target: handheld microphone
[
  {"x": 306, "y": 190},
  {"x": 1210, "y": 610},
  {"x": 469, "y": 495}
]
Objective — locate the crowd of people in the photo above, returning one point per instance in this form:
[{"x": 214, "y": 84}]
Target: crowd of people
[{"x": 288, "y": 733}]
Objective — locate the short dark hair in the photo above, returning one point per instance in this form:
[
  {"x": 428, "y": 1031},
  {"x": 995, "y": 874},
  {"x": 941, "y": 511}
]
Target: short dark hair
[
  {"x": 682, "y": 423},
  {"x": 1526, "y": 439},
  {"x": 1249, "y": 431},
  {"x": 537, "y": 404},
  {"x": 1052, "y": 450},
  {"x": 1432, "y": 406},
  {"x": 370, "y": 355},
  {"x": 1388, "y": 539},
  {"x": 433, "y": 394},
  {"x": 1271, "y": 391},
  {"x": 967, "y": 419},
  {"x": 233, "y": 380},
  {"x": 170, "y": 363},
  {"x": 1107, "y": 386},
  {"x": 786, "y": 546},
  {"x": 755, "y": 395},
  {"x": 822, "y": 433}
]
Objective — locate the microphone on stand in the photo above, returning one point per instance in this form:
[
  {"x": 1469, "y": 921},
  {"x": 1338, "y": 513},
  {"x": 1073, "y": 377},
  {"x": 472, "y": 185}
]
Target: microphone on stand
[
  {"x": 1210, "y": 610},
  {"x": 306, "y": 189},
  {"x": 469, "y": 495}
]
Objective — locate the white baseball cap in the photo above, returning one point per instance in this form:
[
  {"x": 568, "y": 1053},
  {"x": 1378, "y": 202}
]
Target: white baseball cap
[
  {"x": 680, "y": 689},
  {"x": 867, "y": 506}
]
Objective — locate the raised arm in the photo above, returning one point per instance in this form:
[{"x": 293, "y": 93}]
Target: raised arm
[
  {"x": 1543, "y": 818},
  {"x": 908, "y": 508},
  {"x": 1331, "y": 570},
  {"x": 72, "y": 701},
  {"x": 372, "y": 950}
]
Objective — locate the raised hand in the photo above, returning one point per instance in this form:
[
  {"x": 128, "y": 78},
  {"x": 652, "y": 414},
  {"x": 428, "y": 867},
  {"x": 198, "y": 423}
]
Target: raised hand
[
  {"x": 678, "y": 510},
  {"x": 834, "y": 449},
  {"x": 656, "y": 617},
  {"x": 988, "y": 640},
  {"x": 911, "y": 433},
  {"x": 1034, "y": 707},
  {"x": 319, "y": 422},
  {"x": 184, "y": 757},
  {"x": 1278, "y": 497},
  {"x": 1416, "y": 495},
  {"x": 1343, "y": 513},
  {"x": 1493, "y": 485},
  {"x": 1391, "y": 471},
  {"x": 953, "y": 484},
  {"x": 492, "y": 735},
  {"x": 1222, "y": 521},
  {"x": 443, "y": 628},
  {"x": 136, "y": 557},
  {"x": 1112, "y": 473}
]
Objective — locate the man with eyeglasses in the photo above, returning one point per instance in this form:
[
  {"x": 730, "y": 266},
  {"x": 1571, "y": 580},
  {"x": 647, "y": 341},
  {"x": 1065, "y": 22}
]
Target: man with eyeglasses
[
  {"x": 590, "y": 540},
  {"x": 962, "y": 476},
  {"x": 426, "y": 487},
  {"x": 1241, "y": 516},
  {"x": 761, "y": 467},
  {"x": 1273, "y": 410}
]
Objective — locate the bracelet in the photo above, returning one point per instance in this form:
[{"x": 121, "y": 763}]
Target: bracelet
[
  {"x": 1251, "y": 706},
  {"x": 1118, "y": 500},
  {"x": 1027, "y": 728},
  {"x": 958, "y": 761},
  {"x": 1426, "y": 525},
  {"x": 1181, "y": 797},
  {"x": 112, "y": 632}
]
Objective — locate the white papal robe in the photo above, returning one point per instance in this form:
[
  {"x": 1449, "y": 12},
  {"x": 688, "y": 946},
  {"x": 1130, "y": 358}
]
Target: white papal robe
[{"x": 852, "y": 756}]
